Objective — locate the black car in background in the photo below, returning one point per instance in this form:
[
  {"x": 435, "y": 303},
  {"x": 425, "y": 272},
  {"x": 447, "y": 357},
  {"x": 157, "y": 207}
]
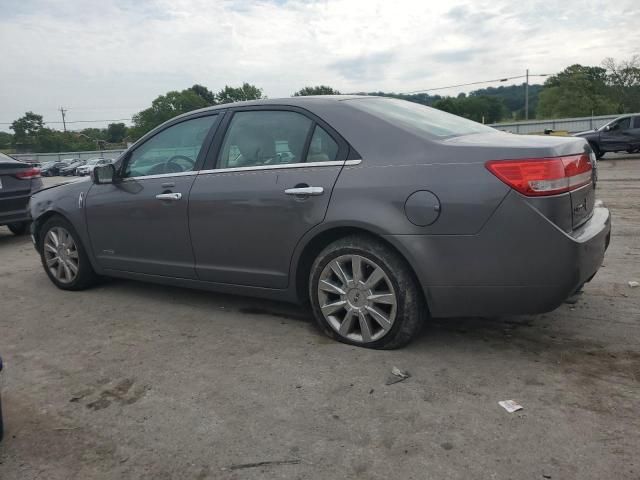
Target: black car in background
[
  {"x": 71, "y": 168},
  {"x": 52, "y": 169},
  {"x": 18, "y": 181},
  {"x": 619, "y": 135}
]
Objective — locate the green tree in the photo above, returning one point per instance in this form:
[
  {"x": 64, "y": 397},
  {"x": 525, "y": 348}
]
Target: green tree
[
  {"x": 624, "y": 81},
  {"x": 26, "y": 128},
  {"x": 116, "y": 132},
  {"x": 6, "y": 139},
  {"x": 577, "y": 91},
  {"x": 317, "y": 90},
  {"x": 164, "y": 108},
  {"x": 478, "y": 108},
  {"x": 238, "y": 94},
  {"x": 204, "y": 93}
]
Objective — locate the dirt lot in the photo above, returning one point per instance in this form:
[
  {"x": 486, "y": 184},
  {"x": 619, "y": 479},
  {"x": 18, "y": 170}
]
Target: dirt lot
[{"x": 130, "y": 380}]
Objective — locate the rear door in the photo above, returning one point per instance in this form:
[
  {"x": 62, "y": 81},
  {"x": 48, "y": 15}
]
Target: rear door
[{"x": 269, "y": 182}]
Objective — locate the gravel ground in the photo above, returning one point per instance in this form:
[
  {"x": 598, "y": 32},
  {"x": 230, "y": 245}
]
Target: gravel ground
[{"x": 137, "y": 381}]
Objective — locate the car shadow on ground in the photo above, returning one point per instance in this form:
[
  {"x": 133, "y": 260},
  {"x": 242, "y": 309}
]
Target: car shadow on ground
[{"x": 8, "y": 238}]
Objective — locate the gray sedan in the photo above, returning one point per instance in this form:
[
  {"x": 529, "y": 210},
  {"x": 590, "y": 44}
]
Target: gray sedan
[{"x": 379, "y": 213}]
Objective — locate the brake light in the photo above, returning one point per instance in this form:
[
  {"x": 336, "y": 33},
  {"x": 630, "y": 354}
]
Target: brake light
[
  {"x": 29, "y": 173},
  {"x": 543, "y": 176}
]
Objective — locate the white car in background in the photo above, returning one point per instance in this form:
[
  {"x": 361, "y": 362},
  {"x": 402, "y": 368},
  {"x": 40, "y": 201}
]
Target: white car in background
[{"x": 92, "y": 163}]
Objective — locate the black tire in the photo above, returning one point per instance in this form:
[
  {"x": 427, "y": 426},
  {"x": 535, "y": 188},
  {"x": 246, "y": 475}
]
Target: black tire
[
  {"x": 411, "y": 310},
  {"x": 19, "y": 228},
  {"x": 86, "y": 276},
  {"x": 596, "y": 150}
]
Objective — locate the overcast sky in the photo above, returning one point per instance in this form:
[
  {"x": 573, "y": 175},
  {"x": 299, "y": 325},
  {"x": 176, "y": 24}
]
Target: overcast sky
[{"x": 107, "y": 59}]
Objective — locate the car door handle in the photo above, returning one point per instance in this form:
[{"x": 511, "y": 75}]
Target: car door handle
[
  {"x": 169, "y": 196},
  {"x": 305, "y": 191}
]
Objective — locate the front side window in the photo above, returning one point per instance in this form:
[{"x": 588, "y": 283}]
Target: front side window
[
  {"x": 636, "y": 122},
  {"x": 263, "y": 138},
  {"x": 622, "y": 124},
  {"x": 173, "y": 150}
]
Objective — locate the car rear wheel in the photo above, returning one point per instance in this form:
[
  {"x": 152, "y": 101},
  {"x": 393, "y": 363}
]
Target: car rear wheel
[
  {"x": 19, "y": 228},
  {"x": 63, "y": 256},
  {"x": 363, "y": 293}
]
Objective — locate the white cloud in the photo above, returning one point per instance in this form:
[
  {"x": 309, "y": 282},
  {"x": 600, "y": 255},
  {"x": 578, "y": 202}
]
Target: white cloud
[{"x": 109, "y": 59}]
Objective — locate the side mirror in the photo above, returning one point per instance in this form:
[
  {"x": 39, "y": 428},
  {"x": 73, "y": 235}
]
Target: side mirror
[
  {"x": 102, "y": 174},
  {"x": 607, "y": 128}
]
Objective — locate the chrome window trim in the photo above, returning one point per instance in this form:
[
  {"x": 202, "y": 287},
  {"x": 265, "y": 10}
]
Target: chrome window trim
[
  {"x": 162, "y": 175},
  {"x": 335, "y": 163}
]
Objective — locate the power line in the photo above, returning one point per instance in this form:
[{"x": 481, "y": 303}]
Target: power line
[
  {"x": 505, "y": 79},
  {"x": 78, "y": 121}
]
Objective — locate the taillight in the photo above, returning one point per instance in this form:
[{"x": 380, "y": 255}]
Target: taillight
[
  {"x": 32, "y": 172},
  {"x": 536, "y": 177}
]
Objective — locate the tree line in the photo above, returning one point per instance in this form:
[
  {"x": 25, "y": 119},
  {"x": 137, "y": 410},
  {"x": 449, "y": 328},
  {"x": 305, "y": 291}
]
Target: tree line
[{"x": 612, "y": 88}]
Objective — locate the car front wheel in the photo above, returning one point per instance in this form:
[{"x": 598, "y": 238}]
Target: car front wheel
[
  {"x": 63, "y": 256},
  {"x": 363, "y": 293}
]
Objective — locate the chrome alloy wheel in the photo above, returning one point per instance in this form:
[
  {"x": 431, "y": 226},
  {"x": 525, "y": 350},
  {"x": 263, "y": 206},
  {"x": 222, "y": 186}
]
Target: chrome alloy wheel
[
  {"x": 357, "y": 298},
  {"x": 61, "y": 255}
]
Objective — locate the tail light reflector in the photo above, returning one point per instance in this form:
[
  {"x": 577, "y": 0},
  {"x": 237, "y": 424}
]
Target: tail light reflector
[
  {"x": 535, "y": 177},
  {"x": 29, "y": 173}
]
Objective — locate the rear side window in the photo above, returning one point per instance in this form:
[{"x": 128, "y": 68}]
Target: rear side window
[
  {"x": 636, "y": 122},
  {"x": 263, "y": 138},
  {"x": 418, "y": 117},
  {"x": 322, "y": 148}
]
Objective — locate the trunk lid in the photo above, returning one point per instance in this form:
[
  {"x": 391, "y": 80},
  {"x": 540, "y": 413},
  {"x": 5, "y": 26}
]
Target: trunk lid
[{"x": 565, "y": 191}]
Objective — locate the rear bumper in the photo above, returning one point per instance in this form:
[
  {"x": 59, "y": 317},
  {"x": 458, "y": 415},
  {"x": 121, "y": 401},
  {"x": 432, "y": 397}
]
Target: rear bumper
[
  {"x": 14, "y": 209},
  {"x": 520, "y": 262}
]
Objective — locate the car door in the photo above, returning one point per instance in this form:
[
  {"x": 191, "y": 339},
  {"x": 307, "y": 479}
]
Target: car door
[
  {"x": 635, "y": 133},
  {"x": 617, "y": 137},
  {"x": 139, "y": 223},
  {"x": 267, "y": 184}
]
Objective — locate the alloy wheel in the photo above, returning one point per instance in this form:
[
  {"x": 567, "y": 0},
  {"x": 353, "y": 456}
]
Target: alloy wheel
[
  {"x": 61, "y": 255},
  {"x": 357, "y": 298}
]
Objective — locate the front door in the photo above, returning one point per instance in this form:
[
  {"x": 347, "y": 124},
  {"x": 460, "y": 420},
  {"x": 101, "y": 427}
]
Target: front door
[
  {"x": 140, "y": 222},
  {"x": 618, "y": 137},
  {"x": 274, "y": 174}
]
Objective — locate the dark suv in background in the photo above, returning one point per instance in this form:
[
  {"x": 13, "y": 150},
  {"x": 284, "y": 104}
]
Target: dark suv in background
[{"x": 619, "y": 135}]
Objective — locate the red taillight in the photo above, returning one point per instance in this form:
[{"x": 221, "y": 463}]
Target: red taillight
[
  {"x": 536, "y": 177},
  {"x": 32, "y": 172}
]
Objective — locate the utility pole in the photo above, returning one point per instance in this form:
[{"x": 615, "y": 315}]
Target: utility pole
[
  {"x": 64, "y": 124},
  {"x": 526, "y": 96}
]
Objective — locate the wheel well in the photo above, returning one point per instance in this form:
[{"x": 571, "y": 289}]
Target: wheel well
[
  {"x": 318, "y": 243},
  {"x": 41, "y": 220}
]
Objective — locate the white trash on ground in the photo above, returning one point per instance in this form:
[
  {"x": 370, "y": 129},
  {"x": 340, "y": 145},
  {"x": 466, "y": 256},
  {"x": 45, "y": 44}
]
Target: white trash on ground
[{"x": 510, "y": 405}]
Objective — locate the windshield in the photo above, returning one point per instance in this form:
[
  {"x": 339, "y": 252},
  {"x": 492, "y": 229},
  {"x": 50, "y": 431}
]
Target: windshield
[
  {"x": 419, "y": 117},
  {"x": 93, "y": 161}
]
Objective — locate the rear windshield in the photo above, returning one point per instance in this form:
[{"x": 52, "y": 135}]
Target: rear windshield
[{"x": 419, "y": 117}]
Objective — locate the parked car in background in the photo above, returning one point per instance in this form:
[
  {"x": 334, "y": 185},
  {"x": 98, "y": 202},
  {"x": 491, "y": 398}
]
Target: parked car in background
[
  {"x": 619, "y": 135},
  {"x": 18, "y": 181},
  {"x": 376, "y": 211},
  {"x": 52, "y": 169},
  {"x": 72, "y": 168},
  {"x": 88, "y": 167}
]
